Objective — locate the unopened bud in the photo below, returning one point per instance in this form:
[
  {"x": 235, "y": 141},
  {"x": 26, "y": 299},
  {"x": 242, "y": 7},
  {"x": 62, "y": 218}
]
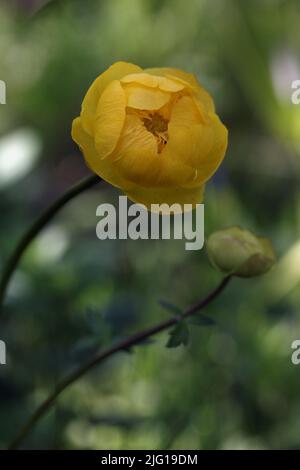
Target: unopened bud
[{"x": 240, "y": 252}]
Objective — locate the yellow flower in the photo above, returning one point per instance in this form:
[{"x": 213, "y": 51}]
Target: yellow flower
[
  {"x": 153, "y": 133},
  {"x": 240, "y": 252}
]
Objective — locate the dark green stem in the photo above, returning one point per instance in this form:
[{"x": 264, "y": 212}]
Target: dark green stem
[
  {"x": 37, "y": 226},
  {"x": 125, "y": 344}
]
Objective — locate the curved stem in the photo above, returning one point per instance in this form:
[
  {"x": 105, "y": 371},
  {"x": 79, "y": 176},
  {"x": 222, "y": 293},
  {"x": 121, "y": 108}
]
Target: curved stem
[
  {"x": 37, "y": 226},
  {"x": 102, "y": 355}
]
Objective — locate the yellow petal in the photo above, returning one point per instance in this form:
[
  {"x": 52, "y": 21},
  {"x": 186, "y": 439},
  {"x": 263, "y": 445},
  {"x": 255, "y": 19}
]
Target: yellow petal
[
  {"x": 175, "y": 172},
  {"x": 90, "y": 102},
  {"x": 136, "y": 153},
  {"x": 104, "y": 168},
  {"x": 185, "y": 114},
  {"x": 186, "y": 79},
  {"x": 209, "y": 164},
  {"x": 140, "y": 97},
  {"x": 179, "y": 157},
  {"x": 203, "y": 100},
  {"x": 191, "y": 146},
  {"x": 141, "y": 78},
  {"x": 167, "y": 84},
  {"x": 110, "y": 117},
  {"x": 169, "y": 71},
  {"x": 199, "y": 146},
  {"x": 189, "y": 140},
  {"x": 148, "y": 196},
  {"x": 153, "y": 81}
]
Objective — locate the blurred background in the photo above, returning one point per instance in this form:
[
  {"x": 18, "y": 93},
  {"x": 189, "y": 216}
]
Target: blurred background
[{"x": 234, "y": 385}]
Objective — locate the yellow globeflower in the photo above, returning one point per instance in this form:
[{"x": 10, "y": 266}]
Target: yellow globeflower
[{"x": 153, "y": 133}]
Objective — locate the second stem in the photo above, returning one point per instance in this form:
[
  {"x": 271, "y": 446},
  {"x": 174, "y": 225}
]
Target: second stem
[{"x": 102, "y": 355}]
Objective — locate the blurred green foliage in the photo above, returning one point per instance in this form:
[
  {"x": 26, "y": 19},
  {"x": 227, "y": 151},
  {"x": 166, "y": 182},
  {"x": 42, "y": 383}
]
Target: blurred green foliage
[{"x": 234, "y": 385}]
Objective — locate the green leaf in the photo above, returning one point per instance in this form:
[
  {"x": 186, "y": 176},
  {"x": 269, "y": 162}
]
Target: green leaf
[
  {"x": 98, "y": 325},
  {"x": 202, "y": 320},
  {"x": 94, "y": 320},
  {"x": 179, "y": 335},
  {"x": 174, "y": 309}
]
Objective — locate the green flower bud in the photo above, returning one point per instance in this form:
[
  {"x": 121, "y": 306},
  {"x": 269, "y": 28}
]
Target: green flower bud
[{"x": 240, "y": 252}]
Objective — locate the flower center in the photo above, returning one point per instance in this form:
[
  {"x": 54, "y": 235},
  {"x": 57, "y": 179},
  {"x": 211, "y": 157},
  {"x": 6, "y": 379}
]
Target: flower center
[{"x": 158, "y": 126}]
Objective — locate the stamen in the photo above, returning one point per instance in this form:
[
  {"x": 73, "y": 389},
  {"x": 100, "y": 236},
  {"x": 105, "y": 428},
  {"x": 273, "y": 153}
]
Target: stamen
[{"x": 158, "y": 126}]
